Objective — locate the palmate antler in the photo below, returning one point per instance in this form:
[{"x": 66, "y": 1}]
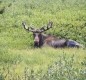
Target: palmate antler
[
  {"x": 44, "y": 28},
  {"x": 31, "y": 29}
]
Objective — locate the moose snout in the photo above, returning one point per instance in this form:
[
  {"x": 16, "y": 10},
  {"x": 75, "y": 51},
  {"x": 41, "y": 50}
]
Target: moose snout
[{"x": 36, "y": 40}]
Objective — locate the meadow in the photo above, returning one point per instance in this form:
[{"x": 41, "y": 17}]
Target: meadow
[{"x": 20, "y": 61}]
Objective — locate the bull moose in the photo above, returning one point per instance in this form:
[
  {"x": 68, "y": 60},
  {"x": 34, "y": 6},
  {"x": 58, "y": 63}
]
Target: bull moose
[{"x": 41, "y": 39}]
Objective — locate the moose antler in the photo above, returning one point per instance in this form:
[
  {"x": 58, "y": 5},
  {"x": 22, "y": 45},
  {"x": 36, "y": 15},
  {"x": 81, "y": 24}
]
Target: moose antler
[
  {"x": 28, "y": 28},
  {"x": 44, "y": 28}
]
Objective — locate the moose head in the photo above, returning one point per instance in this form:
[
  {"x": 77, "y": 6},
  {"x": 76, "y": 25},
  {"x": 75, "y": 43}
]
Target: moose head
[{"x": 37, "y": 33}]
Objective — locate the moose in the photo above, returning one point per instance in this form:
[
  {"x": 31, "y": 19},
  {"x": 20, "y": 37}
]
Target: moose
[{"x": 41, "y": 39}]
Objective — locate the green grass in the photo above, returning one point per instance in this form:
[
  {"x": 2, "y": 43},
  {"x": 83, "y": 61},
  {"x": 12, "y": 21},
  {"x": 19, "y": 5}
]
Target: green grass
[
  {"x": 17, "y": 62},
  {"x": 20, "y": 61},
  {"x": 69, "y": 20}
]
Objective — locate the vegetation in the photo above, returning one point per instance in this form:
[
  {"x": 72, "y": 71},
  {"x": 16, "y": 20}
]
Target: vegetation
[
  {"x": 42, "y": 64},
  {"x": 20, "y": 61}
]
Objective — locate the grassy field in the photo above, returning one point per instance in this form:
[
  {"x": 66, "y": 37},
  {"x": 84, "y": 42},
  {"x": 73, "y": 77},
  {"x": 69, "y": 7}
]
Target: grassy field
[
  {"x": 20, "y": 61},
  {"x": 42, "y": 64}
]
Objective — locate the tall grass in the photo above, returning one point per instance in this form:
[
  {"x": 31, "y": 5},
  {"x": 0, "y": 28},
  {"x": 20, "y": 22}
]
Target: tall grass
[{"x": 42, "y": 64}]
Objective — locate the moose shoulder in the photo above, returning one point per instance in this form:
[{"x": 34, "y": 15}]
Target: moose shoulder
[{"x": 41, "y": 39}]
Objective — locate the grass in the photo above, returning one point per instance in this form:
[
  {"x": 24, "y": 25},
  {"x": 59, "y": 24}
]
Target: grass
[
  {"x": 20, "y": 61},
  {"x": 36, "y": 62}
]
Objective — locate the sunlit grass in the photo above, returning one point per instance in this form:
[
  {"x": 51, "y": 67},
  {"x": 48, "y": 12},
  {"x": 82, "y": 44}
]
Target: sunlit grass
[
  {"x": 43, "y": 56},
  {"x": 15, "y": 61}
]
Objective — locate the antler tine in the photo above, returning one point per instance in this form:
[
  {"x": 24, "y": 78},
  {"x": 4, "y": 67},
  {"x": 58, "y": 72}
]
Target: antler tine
[
  {"x": 49, "y": 25},
  {"x": 24, "y": 25},
  {"x": 28, "y": 28},
  {"x": 44, "y": 28}
]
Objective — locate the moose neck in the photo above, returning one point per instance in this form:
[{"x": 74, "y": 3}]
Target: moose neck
[{"x": 42, "y": 39}]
